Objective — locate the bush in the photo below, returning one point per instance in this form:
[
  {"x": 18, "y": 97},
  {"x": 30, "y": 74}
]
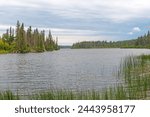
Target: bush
[{"x": 4, "y": 45}]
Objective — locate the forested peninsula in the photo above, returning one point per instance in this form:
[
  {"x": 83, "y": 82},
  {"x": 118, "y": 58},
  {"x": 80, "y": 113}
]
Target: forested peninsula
[
  {"x": 140, "y": 42},
  {"x": 19, "y": 40}
]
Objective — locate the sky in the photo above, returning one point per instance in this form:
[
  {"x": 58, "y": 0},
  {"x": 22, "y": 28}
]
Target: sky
[{"x": 79, "y": 20}]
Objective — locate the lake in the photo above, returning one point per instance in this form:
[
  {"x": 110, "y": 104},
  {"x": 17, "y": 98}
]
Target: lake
[{"x": 73, "y": 69}]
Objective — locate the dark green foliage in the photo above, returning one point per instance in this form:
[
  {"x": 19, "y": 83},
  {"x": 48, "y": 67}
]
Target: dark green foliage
[
  {"x": 38, "y": 41},
  {"x": 140, "y": 42},
  {"x": 50, "y": 44},
  {"x": 104, "y": 44},
  {"x": 22, "y": 47}
]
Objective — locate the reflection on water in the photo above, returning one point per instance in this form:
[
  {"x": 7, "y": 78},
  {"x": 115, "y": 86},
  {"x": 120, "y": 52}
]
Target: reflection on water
[{"x": 80, "y": 69}]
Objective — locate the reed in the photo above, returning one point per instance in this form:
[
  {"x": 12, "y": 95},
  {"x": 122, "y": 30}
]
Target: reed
[
  {"x": 66, "y": 95},
  {"x": 8, "y": 95},
  {"x": 137, "y": 76}
]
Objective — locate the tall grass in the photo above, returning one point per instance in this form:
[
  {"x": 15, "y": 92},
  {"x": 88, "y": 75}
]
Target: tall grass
[
  {"x": 8, "y": 95},
  {"x": 67, "y": 95},
  {"x": 136, "y": 74}
]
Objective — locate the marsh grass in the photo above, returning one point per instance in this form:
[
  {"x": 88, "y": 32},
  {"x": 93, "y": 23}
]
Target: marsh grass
[
  {"x": 136, "y": 72},
  {"x": 8, "y": 95},
  {"x": 66, "y": 95}
]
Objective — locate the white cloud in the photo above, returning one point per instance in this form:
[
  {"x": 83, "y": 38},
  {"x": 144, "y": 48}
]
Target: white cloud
[
  {"x": 4, "y": 27},
  {"x": 134, "y": 30}
]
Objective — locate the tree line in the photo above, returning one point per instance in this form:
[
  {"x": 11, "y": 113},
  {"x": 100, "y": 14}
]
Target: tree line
[
  {"x": 140, "y": 42},
  {"x": 20, "y": 40}
]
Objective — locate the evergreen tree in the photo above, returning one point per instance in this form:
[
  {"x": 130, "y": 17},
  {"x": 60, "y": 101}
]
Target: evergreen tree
[
  {"x": 49, "y": 42},
  {"x": 22, "y": 47},
  {"x": 18, "y": 41},
  {"x": 29, "y": 37},
  {"x": 27, "y": 41},
  {"x": 8, "y": 36}
]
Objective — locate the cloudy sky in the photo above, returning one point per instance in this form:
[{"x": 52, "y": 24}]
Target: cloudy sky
[{"x": 78, "y": 20}]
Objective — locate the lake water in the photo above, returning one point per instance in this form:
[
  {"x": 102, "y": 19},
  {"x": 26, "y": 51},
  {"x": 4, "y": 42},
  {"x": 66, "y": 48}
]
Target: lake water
[{"x": 75, "y": 69}]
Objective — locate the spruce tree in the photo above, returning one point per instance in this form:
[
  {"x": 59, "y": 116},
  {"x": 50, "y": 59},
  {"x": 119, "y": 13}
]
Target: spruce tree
[
  {"x": 29, "y": 37},
  {"x": 22, "y": 39}
]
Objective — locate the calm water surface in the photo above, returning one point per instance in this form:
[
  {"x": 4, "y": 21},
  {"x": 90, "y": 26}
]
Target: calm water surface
[{"x": 77, "y": 69}]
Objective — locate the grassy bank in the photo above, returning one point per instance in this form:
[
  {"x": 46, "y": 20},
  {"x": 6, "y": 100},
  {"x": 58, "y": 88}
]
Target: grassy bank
[
  {"x": 67, "y": 95},
  {"x": 134, "y": 71},
  {"x": 137, "y": 76}
]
